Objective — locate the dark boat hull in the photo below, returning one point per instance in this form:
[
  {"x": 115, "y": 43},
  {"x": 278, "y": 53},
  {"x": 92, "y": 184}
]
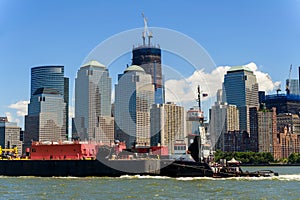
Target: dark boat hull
[
  {"x": 110, "y": 168},
  {"x": 116, "y": 168},
  {"x": 185, "y": 169}
]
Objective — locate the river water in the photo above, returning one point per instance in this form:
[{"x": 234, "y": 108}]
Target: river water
[{"x": 285, "y": 186}]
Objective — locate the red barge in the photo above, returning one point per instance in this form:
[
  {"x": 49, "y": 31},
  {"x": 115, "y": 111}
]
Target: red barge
[{"x": 81, "y": 159}]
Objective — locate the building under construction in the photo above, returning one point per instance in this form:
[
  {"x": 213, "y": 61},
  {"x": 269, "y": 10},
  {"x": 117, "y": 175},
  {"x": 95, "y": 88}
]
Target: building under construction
[{"x": 148, "y": 56}]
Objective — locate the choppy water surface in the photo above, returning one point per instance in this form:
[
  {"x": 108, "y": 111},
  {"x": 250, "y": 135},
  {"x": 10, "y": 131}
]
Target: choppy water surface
[{"x": 285, "y": 186}]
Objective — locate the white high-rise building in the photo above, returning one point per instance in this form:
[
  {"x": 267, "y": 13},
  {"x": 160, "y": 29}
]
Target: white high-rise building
[
  {"x": 93, "y": 119},
  {"x": 223, "y": 118},
  {"x": 134, "y": 95}
]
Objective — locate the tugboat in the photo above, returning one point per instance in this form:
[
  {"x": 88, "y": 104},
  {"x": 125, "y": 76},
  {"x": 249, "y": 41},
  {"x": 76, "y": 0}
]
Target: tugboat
[{"x": 232, "y": 168}]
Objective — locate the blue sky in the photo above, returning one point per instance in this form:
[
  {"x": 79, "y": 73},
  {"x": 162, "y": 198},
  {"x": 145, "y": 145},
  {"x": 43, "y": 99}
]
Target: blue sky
[{"x": 34, "y": 33}]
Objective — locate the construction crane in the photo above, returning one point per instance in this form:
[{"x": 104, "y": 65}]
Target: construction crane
[
  {"x": 146, "y": 32},
  {"x": 287, "y": 87}
]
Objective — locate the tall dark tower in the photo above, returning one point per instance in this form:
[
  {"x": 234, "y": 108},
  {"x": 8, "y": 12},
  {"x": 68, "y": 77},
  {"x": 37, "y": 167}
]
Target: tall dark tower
[{"x": 148, "y": 56}]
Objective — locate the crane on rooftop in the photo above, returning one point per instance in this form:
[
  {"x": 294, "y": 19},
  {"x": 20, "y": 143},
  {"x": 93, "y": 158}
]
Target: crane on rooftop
[
  {"x": 287, "y": 87},
  {"x": 146, "y": 32}
]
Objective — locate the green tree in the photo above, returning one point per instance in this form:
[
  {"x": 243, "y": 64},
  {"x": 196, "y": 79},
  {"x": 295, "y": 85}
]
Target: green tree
[
  {"x": 246, "y": 157},
  {"x": 294, "y": 158}
]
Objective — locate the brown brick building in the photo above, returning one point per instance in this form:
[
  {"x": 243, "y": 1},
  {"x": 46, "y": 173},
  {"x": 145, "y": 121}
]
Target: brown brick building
[{"x": 285, "y": 143}]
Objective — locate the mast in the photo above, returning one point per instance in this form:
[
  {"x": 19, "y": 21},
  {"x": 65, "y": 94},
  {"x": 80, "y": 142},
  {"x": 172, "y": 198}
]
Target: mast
[
  {"x": 199, "y": 98},
  {"x": 201, "y": 119},
  {"x": 200, "y": 125}
]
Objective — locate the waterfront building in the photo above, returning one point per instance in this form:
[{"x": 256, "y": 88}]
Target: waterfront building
[
  {"x": 284, "y": 103},
  {"x": 262, "y": 128},
  {"x": 236, "y": 141},
  {"x": 223, "y": 118},
  {"x": 167, "y": 126},
  {"x": 134, "y": 96},
  {"x": 47, "y": 117},
  {"x": 10, "y": 135},
  {"x": 285, "y": 143},
  {"x": 148, "y": 56},
  {"x": 93, "y": 119},
  {"x": 241, "y": 89},
  {"x": 289, "y": 120},
  {"x": 253, "y": 140}
]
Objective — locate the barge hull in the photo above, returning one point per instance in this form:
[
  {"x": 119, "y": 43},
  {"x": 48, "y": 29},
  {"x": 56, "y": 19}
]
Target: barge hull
[{"x": 78, "y": 168}]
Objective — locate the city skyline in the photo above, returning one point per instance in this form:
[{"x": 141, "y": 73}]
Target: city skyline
[{"x": 235, "y": 34}]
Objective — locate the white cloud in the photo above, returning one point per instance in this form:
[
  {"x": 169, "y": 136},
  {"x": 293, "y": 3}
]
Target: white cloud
[
  {"x": 264, "y": 80},
  {"x": 21, "y": 107},
  {"x": 10, "y": 118},
  {"x": 184, "y": 91}
]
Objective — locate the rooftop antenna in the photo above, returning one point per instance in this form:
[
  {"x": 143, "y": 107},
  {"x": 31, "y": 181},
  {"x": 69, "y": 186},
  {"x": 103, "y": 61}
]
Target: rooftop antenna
[{"x": 146, "y": 32}]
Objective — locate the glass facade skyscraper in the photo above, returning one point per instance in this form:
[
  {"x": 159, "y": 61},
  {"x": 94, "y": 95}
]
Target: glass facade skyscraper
[
  {"x": 47, "y": 118},
  {"x": 48, "y": 77},
  {"x": 93, "y": 119},
  {"x": 241, "y": 89},
  {"x": 293, "y": 86}
]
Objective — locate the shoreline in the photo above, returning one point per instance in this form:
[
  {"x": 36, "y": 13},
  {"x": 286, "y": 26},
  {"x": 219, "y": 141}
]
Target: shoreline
[{"x": 270, "y": 164}]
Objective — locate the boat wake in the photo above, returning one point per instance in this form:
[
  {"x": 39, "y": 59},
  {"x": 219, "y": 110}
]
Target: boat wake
[
  {"x": 143, "y": 177},
  {"x": 292, "y": 177}
]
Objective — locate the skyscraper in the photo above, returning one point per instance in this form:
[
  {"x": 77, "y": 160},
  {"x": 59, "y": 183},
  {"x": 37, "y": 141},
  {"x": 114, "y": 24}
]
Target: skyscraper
[
  {"x": 47, "y": 118},
  {"x": 262, "y": 128},
  {"x": 148, "y": 56},
  {"x": 223, "y": 117},
  {"x": 266, "y": 130},
  {"x": 93, "y": 119},
  {"x": 241, "y": 89},
  {"x": 293, "y": 86},
  {"x": 134, "y": 95},
  {"x": 167, "y": 125}
]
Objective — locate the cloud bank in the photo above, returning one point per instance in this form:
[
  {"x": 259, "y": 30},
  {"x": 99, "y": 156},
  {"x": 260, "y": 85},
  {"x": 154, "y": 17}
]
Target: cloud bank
[
  {"x": 21, "y": 107},
  {"x": 184, "y": 91}
]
